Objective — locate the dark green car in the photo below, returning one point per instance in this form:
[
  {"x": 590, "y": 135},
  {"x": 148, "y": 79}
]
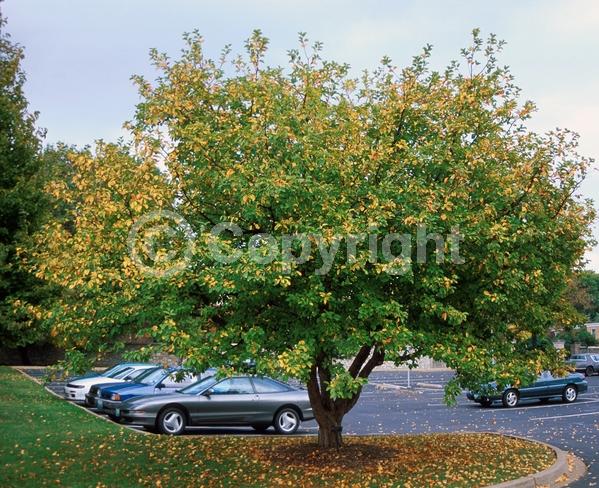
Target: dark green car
[{"x": 544, "y": 388}]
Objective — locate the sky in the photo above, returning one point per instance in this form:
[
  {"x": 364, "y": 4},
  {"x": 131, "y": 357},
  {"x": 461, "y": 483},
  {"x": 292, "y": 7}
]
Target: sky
[{"x": 80, "y": 55}]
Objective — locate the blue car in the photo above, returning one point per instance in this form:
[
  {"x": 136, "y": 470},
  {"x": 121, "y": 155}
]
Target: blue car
[
  {"x": 160, "y": 381},
  {"x": 136, "y": 377}
]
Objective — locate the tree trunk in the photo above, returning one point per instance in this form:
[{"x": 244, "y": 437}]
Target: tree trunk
[
  {"x": 329, "y": 433},
  {"x": 329, "y": 412}
]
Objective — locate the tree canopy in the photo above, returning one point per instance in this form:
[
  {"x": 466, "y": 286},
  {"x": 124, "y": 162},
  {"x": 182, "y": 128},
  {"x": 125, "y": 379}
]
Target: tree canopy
[{"x": 486, "y": 226}]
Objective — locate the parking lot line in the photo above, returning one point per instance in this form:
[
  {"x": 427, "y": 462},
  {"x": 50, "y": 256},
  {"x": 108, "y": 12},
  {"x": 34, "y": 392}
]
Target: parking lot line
[
  {"x": 550, "y": 405},
  {"x": 564, "y": 416},
  {"x": 459, "y": 404}
]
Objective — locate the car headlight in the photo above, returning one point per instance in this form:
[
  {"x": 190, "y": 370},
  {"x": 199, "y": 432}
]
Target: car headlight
[{"x": 115, "y": 396}]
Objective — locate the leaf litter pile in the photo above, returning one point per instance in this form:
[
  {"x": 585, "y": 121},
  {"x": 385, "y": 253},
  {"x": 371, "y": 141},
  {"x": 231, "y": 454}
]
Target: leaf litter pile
[{"x": 47, "y": 442}]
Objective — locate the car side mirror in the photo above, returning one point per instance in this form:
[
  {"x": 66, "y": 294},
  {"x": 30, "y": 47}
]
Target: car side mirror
[
  {"x": 160, "y": 386},
  {"x": 208, "y": 392}
]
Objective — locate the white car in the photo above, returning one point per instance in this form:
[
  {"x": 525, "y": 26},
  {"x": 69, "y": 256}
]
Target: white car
[{"x": 76, "y": 389}]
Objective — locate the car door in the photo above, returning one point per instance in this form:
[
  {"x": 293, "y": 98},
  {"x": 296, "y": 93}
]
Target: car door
[
  {"x": 270, "y": 396},
  {"x": 231, "y": 401},
  {"x": 553, "y": 386},
  {"x": 538, "y": 388}
]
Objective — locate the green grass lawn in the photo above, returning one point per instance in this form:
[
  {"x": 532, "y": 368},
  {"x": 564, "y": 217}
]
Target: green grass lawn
[{"x": 45, "y": 441}]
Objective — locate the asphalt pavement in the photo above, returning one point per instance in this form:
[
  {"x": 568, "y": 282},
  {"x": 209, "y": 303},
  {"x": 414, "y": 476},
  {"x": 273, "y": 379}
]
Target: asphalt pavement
[
  {"x": 571, "y": 427},
  {"x": 388, "y": 406}
]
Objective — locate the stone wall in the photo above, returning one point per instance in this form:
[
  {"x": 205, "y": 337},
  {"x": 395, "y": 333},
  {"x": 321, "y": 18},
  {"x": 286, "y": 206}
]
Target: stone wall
[
  {"x": 32, "y": 355},
  {"x": 47, "y": 354},
  {"x": 423, "y": 363}
]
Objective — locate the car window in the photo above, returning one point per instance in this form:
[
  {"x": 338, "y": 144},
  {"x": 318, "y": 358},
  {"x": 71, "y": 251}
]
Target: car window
[
  {"x": 577, "y": 357},
  {"x": 545, "y": 376},
  {"x": 200, "y": 386},
  {"x": 121, "y": 373},
  {"x": 266, "y": 385},
  {"x": 174, "y": 380},
  {"x": 209, "y": 372},
  {"x": 233, "y": 386},
  {"x": 154, "y": 377}
]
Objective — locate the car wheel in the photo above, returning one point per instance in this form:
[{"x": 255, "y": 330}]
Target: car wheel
[
  {"x": 287, "y": 421},
  {"x": 114, "y": 418},
  {"x": 486, "y": 403},
  {"x": 260, "y": 427},
  {"x": 590, "y": 371},
  {"x": 172, "y": 421},
  {"x": 570, "y": 394},
  {"x": 510, "y": 398}
]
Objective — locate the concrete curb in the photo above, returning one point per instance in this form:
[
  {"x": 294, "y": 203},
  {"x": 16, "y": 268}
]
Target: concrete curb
[
  {"x": 433, "y": 386},
  {"x": 546, "y": 478},
  {"x": 87, "y": 410},
  {"x": 391, "y": 386},
  {"x": 549, "y": 477}
]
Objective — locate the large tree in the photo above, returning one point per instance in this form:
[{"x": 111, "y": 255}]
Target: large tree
[{"x": 311, "y": 151}]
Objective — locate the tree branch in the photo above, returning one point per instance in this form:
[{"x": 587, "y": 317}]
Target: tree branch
[{"x": 358, "y": 361}]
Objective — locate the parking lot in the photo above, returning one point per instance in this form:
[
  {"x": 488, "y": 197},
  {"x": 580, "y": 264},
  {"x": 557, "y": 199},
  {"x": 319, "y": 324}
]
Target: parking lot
[
  {"x": 387, "y": 406},
  {"x": 572, "y": 427}
]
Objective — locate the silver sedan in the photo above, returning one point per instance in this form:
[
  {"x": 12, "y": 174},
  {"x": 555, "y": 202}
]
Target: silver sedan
[{"x": 255, "y": 401}]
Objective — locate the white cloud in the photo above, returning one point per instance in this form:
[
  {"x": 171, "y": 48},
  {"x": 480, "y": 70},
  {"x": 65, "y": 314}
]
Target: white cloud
[{"x": 574, "y": 17}]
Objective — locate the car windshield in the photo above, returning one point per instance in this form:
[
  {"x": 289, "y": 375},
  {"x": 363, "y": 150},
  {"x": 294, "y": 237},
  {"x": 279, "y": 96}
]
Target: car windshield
[
  {"x": 144, "y": 373},
  {"x": 131, "y": 375},
  {"x": 545, "y": 376},
  {"x": 121, "y": 372},
  {"x": 154, "y": 377},
  {"x": 199, "y": 386},
  {"x": 110, "y": 371}
]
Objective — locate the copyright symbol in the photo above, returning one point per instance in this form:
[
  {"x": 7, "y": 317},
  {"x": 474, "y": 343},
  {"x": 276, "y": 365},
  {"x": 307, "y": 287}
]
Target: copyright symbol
[{"x": 160, "y": 243}]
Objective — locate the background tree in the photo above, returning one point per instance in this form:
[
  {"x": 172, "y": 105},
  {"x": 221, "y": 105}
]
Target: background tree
[
  {"x": 582, "y": 297},
  {"x": 23, "y": 204},
  {"x": 585, "y": 294},
  {"x": 311, "y": 150},
  {"x": 577, "y": 335}
]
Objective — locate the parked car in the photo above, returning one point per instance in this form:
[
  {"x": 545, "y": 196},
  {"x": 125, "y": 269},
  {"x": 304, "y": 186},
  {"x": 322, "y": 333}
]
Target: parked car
[
  {"x": 76, "y": 389},
  {"x": 106, "y": 372},
  {"x": 160, "y": 381},
  {"x": 585, "y": 363},
  {"x": 136, "y": 376},
  {"x": 253, "y": 401},
  {"x": 544, "y": 388}
]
